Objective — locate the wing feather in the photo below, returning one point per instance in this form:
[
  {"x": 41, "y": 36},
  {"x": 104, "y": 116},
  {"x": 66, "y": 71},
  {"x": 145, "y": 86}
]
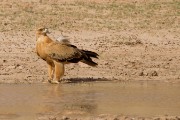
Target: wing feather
[{"x": 62, "y": 52}]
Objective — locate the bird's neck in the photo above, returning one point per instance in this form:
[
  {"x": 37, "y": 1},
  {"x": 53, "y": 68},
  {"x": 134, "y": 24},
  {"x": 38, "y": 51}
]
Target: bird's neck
[
  {"x": 44, "y": 39},
  {"x": 39, "y": 35}
]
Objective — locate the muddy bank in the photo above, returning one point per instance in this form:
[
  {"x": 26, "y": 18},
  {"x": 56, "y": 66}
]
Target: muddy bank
[{"x": 148, "y": 59}]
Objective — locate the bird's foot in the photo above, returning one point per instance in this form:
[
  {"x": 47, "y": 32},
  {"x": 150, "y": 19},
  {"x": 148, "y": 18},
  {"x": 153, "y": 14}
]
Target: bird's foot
[
  {"x": 53, "y": 82},
  {"x": 50, "y": 79}
]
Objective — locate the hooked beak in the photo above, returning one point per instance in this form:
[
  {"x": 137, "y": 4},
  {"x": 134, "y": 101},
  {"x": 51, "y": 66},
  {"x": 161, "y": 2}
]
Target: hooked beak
[{"x": 46, "y": 31}]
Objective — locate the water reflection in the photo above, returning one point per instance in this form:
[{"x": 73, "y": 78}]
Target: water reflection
[
  {"x": 70, "y": 101},
  {"x": 82, "y": 99}
]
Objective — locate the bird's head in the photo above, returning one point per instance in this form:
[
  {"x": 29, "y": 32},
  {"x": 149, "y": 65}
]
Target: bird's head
[{"x": 42, "y": 31}]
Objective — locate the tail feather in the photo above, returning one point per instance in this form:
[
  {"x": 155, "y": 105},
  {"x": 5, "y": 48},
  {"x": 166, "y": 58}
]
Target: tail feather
[
  {"x": 87, "y": 58},
  {"x": 88, "y": 62},
  {"x": 91, "y": 54}
]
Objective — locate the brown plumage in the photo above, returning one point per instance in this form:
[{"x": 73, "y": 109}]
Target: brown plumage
[{"x": 57, "y": 54}]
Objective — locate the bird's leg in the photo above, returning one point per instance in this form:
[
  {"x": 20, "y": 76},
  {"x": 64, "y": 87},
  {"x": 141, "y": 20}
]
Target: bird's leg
[
  {"x": 50, "y": 72},
  {"x": 59, "y": 72}
]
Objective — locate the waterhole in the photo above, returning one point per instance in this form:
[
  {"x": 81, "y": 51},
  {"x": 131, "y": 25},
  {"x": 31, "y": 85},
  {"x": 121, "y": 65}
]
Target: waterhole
[{"x": 28, "y": 101}]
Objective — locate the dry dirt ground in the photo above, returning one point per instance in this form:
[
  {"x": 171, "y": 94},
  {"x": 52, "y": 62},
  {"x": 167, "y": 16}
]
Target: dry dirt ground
[{"x": 136, "y": 39}]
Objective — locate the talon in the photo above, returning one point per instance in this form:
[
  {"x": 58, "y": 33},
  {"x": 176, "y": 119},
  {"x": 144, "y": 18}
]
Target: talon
[
  {"x": 49, "y": 81},
  {"x": 63, "y": 81}
]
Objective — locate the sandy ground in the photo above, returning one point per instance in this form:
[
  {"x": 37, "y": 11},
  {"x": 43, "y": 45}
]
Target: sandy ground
[
  {"x": 145, "y": 56},
  {"x": 136, "y": 39}
]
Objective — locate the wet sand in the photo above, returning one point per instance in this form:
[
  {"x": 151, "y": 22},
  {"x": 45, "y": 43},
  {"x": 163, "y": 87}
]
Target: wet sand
[{"x": 89, "y": 100}]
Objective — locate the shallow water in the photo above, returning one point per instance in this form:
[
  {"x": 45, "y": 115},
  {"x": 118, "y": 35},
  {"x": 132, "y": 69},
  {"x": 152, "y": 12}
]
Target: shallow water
[{"x": 28, "y": 101}]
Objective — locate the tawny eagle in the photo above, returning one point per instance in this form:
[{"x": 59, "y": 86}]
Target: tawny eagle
[{"x": 59, "y": 53}]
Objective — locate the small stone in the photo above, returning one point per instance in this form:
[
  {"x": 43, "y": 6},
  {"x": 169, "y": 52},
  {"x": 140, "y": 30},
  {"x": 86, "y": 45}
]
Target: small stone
[
  {"x": 154, "y": 73},
  {"x": 4, "y": 61},
  {"x": 106, "y": 63},
  {"x": 18, "y": 65},
  {"x": 141, "y": 74},
  {"x": 5, "y": 24}
]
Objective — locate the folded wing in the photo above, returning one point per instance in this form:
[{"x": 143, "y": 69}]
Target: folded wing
[{"x": 63, "y": 52}]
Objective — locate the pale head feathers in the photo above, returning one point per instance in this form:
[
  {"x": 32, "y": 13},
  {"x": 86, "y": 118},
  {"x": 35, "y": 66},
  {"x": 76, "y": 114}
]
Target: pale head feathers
[{"x": 41, "y": 31}]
